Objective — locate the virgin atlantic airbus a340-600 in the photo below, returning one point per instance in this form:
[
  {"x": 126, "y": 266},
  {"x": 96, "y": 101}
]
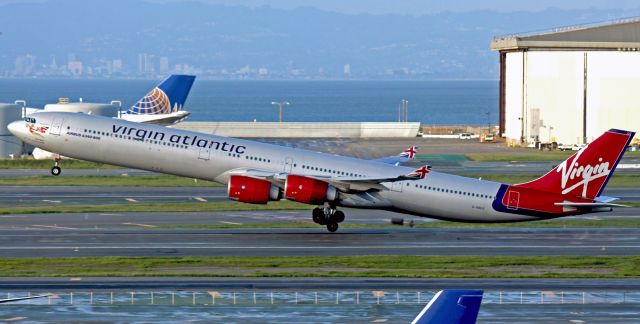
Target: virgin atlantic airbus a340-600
[{"x": 258, "y": 172}]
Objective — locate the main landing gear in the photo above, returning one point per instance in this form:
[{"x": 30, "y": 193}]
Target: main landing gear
[
  {"x": 329, "y": 217},
  {"x": 55, "y": 170}
]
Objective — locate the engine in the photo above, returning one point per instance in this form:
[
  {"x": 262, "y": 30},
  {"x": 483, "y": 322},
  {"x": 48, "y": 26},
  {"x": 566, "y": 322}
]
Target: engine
[
  {"x": 251, "y": 190},
  {"x": 308, "y": 190}
]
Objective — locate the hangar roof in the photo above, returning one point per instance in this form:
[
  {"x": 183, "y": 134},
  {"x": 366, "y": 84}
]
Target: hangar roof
[{"x": 617, "y": 35}]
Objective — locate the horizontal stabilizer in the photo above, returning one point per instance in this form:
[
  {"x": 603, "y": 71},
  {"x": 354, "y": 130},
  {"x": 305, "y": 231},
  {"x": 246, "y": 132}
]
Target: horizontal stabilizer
[
  {"x": 405, "y": 156},
  {"x": 589, "y": 205}
]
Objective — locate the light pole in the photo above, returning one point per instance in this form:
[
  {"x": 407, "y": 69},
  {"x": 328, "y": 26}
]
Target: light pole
[
  {"x": 280, "y": 104},
  {"x": 488, "y": 113}
]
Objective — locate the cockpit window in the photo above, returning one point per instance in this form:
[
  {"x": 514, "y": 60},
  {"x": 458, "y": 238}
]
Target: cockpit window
[{"x": 30, "y": 120}]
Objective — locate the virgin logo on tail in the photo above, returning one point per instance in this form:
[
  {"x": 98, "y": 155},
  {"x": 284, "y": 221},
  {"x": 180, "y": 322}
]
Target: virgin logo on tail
[{"x": 584, "y": 174}]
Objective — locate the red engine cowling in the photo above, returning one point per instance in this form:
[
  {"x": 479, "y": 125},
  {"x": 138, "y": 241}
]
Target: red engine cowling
[
  {"x": 251, "y": 190},
  {"x": 308, "y": 190}
]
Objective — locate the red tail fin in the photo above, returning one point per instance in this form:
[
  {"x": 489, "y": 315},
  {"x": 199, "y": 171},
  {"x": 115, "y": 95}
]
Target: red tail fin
[{"x": 585, "y": 173}]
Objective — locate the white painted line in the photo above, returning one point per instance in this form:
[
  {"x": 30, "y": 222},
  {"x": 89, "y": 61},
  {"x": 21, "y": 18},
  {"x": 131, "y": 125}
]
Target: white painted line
[
  {"x": 12, "y": 319},
  {"x": 130, "y": 200},
  {"x": 141, "y": 225},
  {"x": 201, "y": 246},
  {"x": 52, "y": 201},
  {"x": 200, "y": 199},
  {"x": 54, "y": 226},
  {"x": 75, "y": 279},
  {"x": 230, "y": 223}
]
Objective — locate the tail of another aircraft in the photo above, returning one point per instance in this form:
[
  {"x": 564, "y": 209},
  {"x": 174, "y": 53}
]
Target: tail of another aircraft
[
  {"x": 169, "y": 96},
  {"x": 586, "y": 173},
  {"x": 451, "y": 307}
]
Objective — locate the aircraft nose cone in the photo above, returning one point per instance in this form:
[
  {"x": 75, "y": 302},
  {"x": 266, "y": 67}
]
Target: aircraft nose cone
[{"x": 17, "y": 128}]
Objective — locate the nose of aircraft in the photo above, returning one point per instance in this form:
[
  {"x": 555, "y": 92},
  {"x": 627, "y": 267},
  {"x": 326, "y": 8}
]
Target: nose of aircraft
[{"x": 17, "y": 128}]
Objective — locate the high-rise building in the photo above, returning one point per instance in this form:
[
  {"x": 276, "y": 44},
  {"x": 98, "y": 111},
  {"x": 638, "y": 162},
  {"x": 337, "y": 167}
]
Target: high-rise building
[
  {"x": 75, "y": 67},
  {"x": 346, "y": 70},
  {"x": 25, "y": 64},
  {"x": 164, "y": 64},
  {"x": 145, "y": 64}
]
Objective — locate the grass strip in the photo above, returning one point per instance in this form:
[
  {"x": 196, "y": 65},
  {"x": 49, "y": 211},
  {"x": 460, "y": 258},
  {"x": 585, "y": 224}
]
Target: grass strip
[
  {"x": 618, "y": 180},
  {"x": 30, "y": 163},
  {"x": 531, "y": 156},
  {"x": 155, "y": 207},
  {"x": 331, "y": 266},
  {"x": 108, "y": 181}
]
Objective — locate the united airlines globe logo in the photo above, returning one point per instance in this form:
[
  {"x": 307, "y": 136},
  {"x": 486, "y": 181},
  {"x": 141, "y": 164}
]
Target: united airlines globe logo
[{"x": 155, "y": 102}]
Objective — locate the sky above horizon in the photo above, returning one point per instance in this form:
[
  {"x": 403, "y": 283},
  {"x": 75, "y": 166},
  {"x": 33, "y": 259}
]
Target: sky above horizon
[
  {"x": 419, "y": 7},
  {"x": 412, "y": 7}
]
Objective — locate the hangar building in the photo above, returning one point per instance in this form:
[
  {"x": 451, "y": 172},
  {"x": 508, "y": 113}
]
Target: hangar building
[{"x": 570, "y": 84}]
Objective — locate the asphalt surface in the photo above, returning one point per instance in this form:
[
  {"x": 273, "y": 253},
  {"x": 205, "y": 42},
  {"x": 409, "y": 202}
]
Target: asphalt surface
[
  {"x": 331, "y": 284},
  {"x": 64, "y": 241}
]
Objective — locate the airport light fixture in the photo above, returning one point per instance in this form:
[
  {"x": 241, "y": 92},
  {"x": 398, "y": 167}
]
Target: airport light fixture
[{"x": 280, "y": 104}]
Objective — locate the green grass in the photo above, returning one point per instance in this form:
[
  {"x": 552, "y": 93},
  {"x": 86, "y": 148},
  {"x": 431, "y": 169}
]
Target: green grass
[
  {"x": 331, "y": 266},
  {"x": 108, "y": 181},
  {"x": 155, "y": 207},
  {"x": 618, "y": 180},
  {"x": 530, "y": 156},
  {"x": 30, "y": 163}
]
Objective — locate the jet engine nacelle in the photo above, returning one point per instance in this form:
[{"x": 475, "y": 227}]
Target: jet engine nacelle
[
  {"x": 308, "y": 190},
  {"x": 251, "y": 190}
]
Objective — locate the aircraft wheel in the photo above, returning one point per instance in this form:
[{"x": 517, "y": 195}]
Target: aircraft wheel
[
  {"x": 338, "y": 217},
  {"x": 332, "y": 226},
  {"x": 56, "y": 171},
  {"x": 318, "y": 215}
]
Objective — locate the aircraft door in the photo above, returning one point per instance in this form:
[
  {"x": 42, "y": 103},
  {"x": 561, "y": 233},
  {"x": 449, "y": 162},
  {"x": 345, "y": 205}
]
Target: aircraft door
[
  {"x": 288, "y": 165},
  {"x": 397, "y": 186},
  {"x": 205, "y": 153},
  {"x": 513, "y": 200},
  {"x": 56, "y": 125}
]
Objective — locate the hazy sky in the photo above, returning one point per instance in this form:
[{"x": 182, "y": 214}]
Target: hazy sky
[
  {"x": 431, "y": 6},
  {"x": 416, "y": 7}
]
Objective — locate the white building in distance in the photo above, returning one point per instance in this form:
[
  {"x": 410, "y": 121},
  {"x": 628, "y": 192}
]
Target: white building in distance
[{"x": 570, "y": 84}]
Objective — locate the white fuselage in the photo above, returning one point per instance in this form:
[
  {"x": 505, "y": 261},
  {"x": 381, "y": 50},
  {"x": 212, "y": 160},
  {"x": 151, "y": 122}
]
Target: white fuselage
[{"x": 210, "y": 157}]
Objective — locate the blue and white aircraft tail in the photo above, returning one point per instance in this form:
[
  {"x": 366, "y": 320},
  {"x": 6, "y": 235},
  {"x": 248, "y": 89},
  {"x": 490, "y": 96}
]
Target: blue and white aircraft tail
[
  {"x": 164, "y": 103},
  {"x": 451, "y": 307}
]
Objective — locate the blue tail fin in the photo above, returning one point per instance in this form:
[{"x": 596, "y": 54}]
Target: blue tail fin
[
  {"x": 451, "y": 307},
  {"x": 169, "y": 96}
]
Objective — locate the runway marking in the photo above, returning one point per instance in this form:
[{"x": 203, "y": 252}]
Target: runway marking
[
  {"x": 52, "y": 201},
  {"x": 17, "y": 318},
  {"x": 200, "y": 199},
  {"x": 130, "y": 200},
  {"x": 54, "y": 226},
  {"x": 75, "y": 279},
  {"x": 200, "y": 246},
  {"x": 141, "y": 225},
  {"x": 230, "y": 223}
]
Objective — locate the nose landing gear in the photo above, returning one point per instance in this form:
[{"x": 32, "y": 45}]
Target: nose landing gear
[
  {"x": 55, "y": 170},
  {"x": 329, "y": 217}
]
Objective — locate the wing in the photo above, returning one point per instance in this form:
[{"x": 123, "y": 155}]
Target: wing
[
  {"x": 404, "y": 156},
  {"x": 346, "y": 184}
]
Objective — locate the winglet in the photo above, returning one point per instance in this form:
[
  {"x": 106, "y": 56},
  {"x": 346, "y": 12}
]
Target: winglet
[
  {"x": 409, "y": 153},
  {"x": 420, "y": 173},
  {"x": 451, "y": 307}
]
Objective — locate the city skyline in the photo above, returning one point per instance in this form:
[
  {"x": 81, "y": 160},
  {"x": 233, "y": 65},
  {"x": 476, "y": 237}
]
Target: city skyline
[{"x": 215, "y": 41}]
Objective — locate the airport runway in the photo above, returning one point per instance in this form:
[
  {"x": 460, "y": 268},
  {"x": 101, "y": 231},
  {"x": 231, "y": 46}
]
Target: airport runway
[
  {"x": 61, "y": 241},
  {"x": 28, "y": 195}
]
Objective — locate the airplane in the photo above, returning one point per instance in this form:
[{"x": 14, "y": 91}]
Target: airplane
[
  {"x": 162, "y": 105},
  {"x": 257, "y": 173},
  {"x": 451, "y": 307}
]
